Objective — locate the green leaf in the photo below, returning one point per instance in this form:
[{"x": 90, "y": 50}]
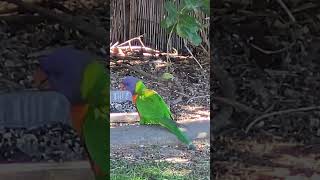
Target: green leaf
[
  {"x": 188, "y": 28},
  {"x": 172, "y": 16},
  {"x": 167, "y": 76},
  {"x": 205, "y": 6},
  {"x": 192, "y": 4},
  {"x": 96, "y": 134},
  {"x": 95, "y": 84}
]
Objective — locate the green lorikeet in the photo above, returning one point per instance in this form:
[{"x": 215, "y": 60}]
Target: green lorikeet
[
  {"x": 152, "y": 109},
  {"x": 85, "y": 83}
]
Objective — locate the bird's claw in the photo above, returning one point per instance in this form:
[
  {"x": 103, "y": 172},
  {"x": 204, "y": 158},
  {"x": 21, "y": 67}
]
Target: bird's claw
[{"x": 191, "y": 147}]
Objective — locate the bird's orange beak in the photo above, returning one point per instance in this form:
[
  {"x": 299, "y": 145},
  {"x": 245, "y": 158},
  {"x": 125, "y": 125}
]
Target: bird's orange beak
[
  {"x": 122, "y": 87},
  {"x": 40, "y": 80}
]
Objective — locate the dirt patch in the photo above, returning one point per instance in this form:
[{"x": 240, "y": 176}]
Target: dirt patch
[
  {"x": 23, "y": 41},
  {"x": 183, "y": 164},
  {"x": 195, "y": 82},
  {"x": 261, "y": 159},
  {"x": 270, "y": 56}
]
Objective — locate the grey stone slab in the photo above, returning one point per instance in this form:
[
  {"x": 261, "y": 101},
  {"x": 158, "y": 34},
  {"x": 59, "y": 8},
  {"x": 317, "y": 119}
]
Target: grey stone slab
[{"x": 137, "y": 134}]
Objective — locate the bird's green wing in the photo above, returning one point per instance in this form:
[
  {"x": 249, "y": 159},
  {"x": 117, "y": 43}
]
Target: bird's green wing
[
  {"x": 153, "y": 110},
  {"x": 96, "y": 129},
  {"x": 152, "y": 107},
  {"x": 95, "y": 85},
  {"x": 96, "y": 135}
]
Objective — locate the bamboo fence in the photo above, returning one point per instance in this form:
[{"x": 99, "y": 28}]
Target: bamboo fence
[{"x": 131, "y": 18}]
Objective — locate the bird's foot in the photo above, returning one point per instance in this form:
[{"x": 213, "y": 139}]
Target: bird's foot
[{"x": 191, "y": 146}]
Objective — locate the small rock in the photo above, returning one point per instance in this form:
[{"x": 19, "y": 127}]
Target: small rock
[{"x": 9, "y": 63}]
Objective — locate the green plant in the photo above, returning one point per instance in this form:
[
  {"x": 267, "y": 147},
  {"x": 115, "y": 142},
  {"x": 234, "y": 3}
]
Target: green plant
[{"x": 180, "y": 20}]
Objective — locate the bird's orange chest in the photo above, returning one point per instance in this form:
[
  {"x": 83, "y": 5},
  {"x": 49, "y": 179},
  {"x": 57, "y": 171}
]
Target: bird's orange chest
[
  {"x": 134, "y": 98},
  {"x": 78, "y": 113}
]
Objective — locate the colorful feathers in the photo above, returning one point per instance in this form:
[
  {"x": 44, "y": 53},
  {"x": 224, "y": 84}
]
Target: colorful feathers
[{"x": 152, "y": 109}]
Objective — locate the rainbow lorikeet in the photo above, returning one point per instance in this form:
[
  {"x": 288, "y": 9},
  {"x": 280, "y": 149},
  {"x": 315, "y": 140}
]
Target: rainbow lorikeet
[
  {"x": 85, "y": 83},
  {"x": 152, "y": 109}
]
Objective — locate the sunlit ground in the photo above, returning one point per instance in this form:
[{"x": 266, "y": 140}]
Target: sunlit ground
[
  {"x": 249, "y": 159},
  {"x": 161, "y": 162},
  {"x": 193, "y": 112}
]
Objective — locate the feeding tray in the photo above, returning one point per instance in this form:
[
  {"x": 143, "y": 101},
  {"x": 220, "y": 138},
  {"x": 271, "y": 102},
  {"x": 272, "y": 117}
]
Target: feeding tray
[
  {"x": 79, "y": 170},
  {"x": 31, "y": 109},
  {"x": 124, "y": 117},
  {"x": 34, "y": 109}
]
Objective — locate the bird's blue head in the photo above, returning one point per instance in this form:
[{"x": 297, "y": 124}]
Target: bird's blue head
[
  {"x": 129, "y": 83},
  {"x": 64, "y": 68}
]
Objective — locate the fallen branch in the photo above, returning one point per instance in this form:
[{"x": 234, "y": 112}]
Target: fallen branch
[
  {"x": 129, "y": 41},
  {"x": 305, "y": 7},
  {"x": 280, "y": 113},
  {"x": 286, "y": 9},
  {"x": 186, "y": 46},
  {"x": 114, "y": 45},
  {"x": 147, "y": 57},
  {"x": 121, "y": 51},
  {"x": 136, "y": 48},
  {"x": 269, "y": 51}
]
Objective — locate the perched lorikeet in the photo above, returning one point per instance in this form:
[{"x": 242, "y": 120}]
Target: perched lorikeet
[
  {"x": 152, "y": 109},
  {"x": 85, "y": 83}
]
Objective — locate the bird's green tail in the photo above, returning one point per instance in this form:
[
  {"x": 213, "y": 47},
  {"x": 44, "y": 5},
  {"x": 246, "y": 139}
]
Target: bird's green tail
[{"x": 172, "y": 127}]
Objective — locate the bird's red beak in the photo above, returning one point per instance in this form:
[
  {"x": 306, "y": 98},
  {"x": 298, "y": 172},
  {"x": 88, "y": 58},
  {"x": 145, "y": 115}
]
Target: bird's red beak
[
  {"x": 122, "y": 87},
  {"x": 40, "y": 80}
]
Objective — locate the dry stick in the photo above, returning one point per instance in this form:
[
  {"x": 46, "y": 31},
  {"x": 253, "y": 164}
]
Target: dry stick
[
  {"x": 280, "y": 113},
  {"x": 137, "y": 47},
  {"x": 141, "y": 42},
  {"x": 98, "y": 33},
  {"x": 115, "y": 44},
  {"x": 169, "y": 42},
  {"x": 271, "y": 52},
  {"x": 130, "y": 45},
  {"x": 147, "y": 58},
  {"x": 304, "y": 7},
  {"x": 138, "y": 37},
  {"x": 148, "y": 50},
  {"x": 284, "y": 6},
  {"x": 204, "y": 49},
  {"x": 185, "y": 45}
]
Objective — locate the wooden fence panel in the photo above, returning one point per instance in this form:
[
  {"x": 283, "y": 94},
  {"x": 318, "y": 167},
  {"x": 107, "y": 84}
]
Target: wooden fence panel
[{"x": 131, "y": 18}]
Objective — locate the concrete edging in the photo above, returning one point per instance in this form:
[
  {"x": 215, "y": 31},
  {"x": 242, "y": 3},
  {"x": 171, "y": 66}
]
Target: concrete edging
[
  {"x": 76, "y": 170},
  {"x": 136, "y": 134}
]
